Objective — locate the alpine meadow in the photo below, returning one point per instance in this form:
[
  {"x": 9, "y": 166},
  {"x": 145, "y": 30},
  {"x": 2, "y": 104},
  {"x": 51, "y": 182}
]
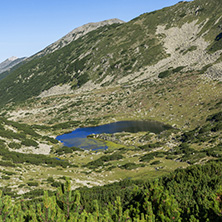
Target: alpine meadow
[{"x": 163, "y": 68}]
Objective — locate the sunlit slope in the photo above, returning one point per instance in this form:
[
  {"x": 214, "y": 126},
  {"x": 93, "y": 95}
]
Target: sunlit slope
[{"x": 181, "y": 38}]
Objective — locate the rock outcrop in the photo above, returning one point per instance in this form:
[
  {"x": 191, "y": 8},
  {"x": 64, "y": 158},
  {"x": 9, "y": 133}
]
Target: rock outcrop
[
  {"x": 9, "y": 63},
  {"x": 75, "y": 34}
]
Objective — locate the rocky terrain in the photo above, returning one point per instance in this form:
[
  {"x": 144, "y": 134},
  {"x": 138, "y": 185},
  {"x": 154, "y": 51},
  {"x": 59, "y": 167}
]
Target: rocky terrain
[
  {"x": 10, "y": 63},
  {"x": 163, "y": 66},
  {"x": 178, "y": 39},
  {"x": 75, "y": 34}
]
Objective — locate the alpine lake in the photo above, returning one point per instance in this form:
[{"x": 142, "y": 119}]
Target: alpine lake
[{"x": 81, "y": 136}]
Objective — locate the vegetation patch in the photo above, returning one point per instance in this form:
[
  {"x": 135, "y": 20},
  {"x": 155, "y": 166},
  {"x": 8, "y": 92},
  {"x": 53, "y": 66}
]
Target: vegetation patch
[
  {"x": 150, "y": 156},
  {"x": 170, "y": 71},
  {"x": 106, "y": 158},
  {"x": 131, "y": 166}
]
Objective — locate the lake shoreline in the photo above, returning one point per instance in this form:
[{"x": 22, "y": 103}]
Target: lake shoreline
[{"x": 80, "y": 136}]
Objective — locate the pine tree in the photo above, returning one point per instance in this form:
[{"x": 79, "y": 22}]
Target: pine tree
[
  {"x": 147, "y": 206},
  {"x": 47, "y": 211},
  {"x": 216, "y": 204},
  {"x": 67, "y": 201},
  {"x": 6, "y": 207}
]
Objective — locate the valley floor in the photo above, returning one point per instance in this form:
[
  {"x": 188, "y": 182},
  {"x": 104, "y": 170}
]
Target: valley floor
[{"x": 184, "y": 101}]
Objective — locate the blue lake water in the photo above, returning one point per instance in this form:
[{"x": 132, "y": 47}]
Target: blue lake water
[{"x": 78, "y": 138}]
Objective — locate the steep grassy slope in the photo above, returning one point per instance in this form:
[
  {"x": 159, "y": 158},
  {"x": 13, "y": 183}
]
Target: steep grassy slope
[{"x": 141, "y": 49}]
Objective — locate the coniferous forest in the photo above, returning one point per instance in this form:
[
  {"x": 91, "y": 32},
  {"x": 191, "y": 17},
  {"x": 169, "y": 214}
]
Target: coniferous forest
[
  {"x": 162, "y": 69},
  {"x": 191, "y": 194}
]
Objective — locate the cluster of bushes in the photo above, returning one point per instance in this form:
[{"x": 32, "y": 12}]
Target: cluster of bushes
[
  {"x": 53, "y": 182},
  {"x": 156, "y": 162},
  {"x": 201, "y": 134},
  {"x": 131, "y": 166},
  {"x": 192, "y": 194},
  {"x": 25, "y": 133},
  {"x": 32, "y": 184},
  {"x": 14, "y": 145},
  {"x": 216, "y": 119},
  {"x": 50, "y": 139},
  {"x": 11, "y": 135},
  {"x": 168, "y": 72},
  {"x": 150, "y": 156},
  {"x": 106, "y": 158},
  {"x": 187, "y": 154},
  {"x": 29, "y": 142},
  {"x": 36, "y": 159},
  {"x": 23, "y": 128},
  {"x": 184, "y": 152},
  {"x": 215, "y": 151},
  {"x": 192, "y": 48},
  {"x": 151, "y": 146},
  {"x": 217, "y": 44},
  {"x": 196, "y": 189},
  {"x": 7, "y": 163}
]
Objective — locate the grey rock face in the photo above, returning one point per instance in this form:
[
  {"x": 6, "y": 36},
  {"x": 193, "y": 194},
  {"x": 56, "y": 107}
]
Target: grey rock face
[
  {"x": 9, "y": 63},
  {"x": 75, "y": 34}
]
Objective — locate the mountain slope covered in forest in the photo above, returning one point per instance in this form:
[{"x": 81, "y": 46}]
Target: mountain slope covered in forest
[
  {"x": 184, "y": 37},
  {"x": 163, "y": 66}
]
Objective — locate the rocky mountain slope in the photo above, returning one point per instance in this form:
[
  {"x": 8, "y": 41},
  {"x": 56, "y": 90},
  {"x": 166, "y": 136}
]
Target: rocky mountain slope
[
  {"x": 181, "y": 38},
  {"x": 75, "y": 34},
  {"x": 163, "y": 66},
  {"x": 9, "y": 63}
]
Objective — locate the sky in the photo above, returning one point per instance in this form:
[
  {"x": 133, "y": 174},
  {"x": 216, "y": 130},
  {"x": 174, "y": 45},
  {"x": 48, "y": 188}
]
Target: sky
[{"x": 28, "y": 26}]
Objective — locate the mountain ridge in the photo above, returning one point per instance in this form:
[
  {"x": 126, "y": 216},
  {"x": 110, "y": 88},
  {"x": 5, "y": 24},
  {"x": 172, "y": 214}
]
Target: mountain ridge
[
  {"x": 9, "y": 63},
  {"x": 159, "y": 66},
  {"x": 180, "y": 38},
  {"x": 75, "y": 34}
]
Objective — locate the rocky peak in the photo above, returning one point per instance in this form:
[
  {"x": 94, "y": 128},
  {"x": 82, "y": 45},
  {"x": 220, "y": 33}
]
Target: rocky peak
[
  {"x": 12, "y": 58},
  {"x": 75, "y": 34},
  {"x": 9, "y": 63}
]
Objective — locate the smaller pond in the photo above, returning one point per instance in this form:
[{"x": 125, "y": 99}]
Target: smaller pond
[{"x": 78, "y": 138}]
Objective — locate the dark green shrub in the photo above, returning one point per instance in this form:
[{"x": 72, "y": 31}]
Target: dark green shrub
[
  {"x": 56, "y": 184},
  {"x": 99, "y": 162},
  {"x": 5, "y": 177},
  {"x": 7, "y": 164},
  {"x": 32, "y": 184},
  {"x": 164, "y": 74},
  {"x": 50, "y": 139},
  {"x": 171, "y": 157},
  {"x": 155, "y": 162},
  {"x": 14, "y": 145},
  {"x": 50, "y": 179},
  {"x": 178, "y": 69},
  {"x": 215, "y": 117},
  {"x": 130, "y": 166},
  {"x": 8, "y": 173},
  {"x": 29, "y": 142},
  {"x": 150, "y": 156},
  {"x": 217, "y": 128}
]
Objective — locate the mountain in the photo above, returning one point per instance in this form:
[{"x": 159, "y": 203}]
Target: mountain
[
  {"x": 181, "y": 38},
  {"x": 162, "y": 66},
  {"x": 75, "y": 34},
  {"x": 9, "y": 63}
]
